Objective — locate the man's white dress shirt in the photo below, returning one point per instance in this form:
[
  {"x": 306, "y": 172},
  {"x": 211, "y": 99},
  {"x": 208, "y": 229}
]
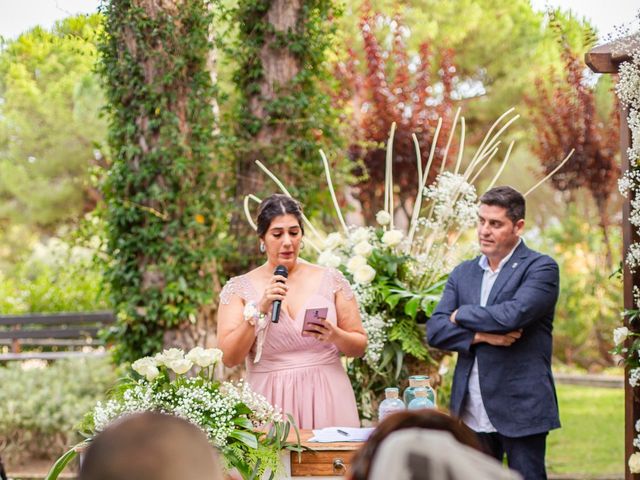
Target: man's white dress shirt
[{"x": 474, "y": 414}]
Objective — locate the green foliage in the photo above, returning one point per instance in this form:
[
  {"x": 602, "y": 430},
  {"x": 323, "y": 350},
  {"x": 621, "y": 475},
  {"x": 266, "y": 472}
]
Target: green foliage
[
  {"x": 489, "y": 39},
  {"x": 588, "y": 307},
  {"x": 160, "y": 191},
  {"x": 41, "y": 405},
  {"x": 56, "y": 277},
  {"x": 50, "y": 128},
  {"x": 296, "y": 118}
]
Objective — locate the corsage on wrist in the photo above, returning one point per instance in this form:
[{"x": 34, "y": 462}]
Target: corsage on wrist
[{"x": 252, "y": 315}]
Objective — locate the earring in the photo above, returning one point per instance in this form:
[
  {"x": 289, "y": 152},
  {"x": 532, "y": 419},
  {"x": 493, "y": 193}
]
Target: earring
[
  {"x": 301, "y": 244},
  {"x": 262, "y": 248}
]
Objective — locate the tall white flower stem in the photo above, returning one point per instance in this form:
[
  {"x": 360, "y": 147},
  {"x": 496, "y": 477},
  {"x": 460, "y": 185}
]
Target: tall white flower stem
[
  {"x": 461, "y": 148},
  {"x": 327, "y": 172},
  {"x": 388, "y": 176},
  {"x": 481, "y": 149},
  {"x": 504, "y": 164},
  {"x": 451, "y": 133},
  {"x": 422, "y": 178},
  {"x": 566, "y": 159}
]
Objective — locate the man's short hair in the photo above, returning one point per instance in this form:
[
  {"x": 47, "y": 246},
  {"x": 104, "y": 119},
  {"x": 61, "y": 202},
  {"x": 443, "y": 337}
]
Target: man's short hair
[
  {"x": 150, "y": 446},
  {"x": 507, "y": 198}
]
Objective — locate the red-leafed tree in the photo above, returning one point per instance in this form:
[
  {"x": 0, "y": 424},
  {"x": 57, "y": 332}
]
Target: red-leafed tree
[
  {"x": 565, "y": 117},
  {"x": 383, "y": 85}
]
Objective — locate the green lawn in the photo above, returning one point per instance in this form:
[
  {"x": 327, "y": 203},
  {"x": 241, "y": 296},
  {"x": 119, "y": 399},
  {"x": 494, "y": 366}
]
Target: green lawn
[{"x": 591, "y": 440}]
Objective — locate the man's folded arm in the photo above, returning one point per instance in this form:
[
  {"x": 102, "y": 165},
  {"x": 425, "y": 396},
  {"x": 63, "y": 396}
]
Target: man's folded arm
[
  {"x": 537, "y": 293},
  {"x": 443, "y": 334}
]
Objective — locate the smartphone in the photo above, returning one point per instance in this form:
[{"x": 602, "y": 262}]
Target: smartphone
[{"x": 313, "y": 316}]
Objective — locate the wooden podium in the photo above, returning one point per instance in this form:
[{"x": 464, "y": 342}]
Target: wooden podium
[{"x": 324, "y": 460}]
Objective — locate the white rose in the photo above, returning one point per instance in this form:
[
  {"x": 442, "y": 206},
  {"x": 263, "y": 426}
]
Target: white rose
[
  {"x": 354, "y": 263},
  {"x": 180, "y": 366},
  {"x": 383, "y": 217},
  {"x": 364, "y": 275},
  {"x": 329, "y": 259},
  {"x": 332, "y": 241},
  {"x": 146, "y": 367},
  {"x": 204, "y": 358},
  {"x": 634, "y": 463},
  {"x": 360, "y": 234},
  {"x": 620, "y": 334},
  {"x": 363, "y": 249},
  {"x": 168, "y": 356},
  {"x": 392, "y": 237}
]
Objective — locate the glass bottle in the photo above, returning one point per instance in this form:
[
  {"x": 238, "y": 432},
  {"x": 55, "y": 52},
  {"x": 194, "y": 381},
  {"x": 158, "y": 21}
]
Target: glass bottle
[
  {"x": 418, "y": 381},
  {"x": 390, "y": 404},
  {"x": 421, "y": 399}
]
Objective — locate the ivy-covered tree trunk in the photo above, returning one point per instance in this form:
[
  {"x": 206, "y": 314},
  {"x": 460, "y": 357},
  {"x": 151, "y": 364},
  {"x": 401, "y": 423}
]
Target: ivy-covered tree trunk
[
  {"x": 283, "y": 115},
  {"x": 158, "y": 190}
]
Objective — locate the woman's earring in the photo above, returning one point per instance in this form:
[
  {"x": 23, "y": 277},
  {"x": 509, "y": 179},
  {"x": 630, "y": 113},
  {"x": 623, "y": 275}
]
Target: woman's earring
[
  {"x": 262, "y": 247},
  {"x": 301, "y": 244}
]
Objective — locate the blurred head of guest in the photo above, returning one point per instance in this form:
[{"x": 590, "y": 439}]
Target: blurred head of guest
[
  {"x": 421, "y": 454},
  {"x": 150, "y": 446},
  {"x": 428, "y": 419}
]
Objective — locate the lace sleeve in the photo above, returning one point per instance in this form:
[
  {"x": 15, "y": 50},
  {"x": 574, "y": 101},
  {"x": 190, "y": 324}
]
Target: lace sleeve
[
  {"x": 340, "y": 284},
  {"x": 235, "y": 286}
]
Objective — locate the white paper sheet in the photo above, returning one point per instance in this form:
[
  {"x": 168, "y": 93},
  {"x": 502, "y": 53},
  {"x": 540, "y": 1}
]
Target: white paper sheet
[{"x": 341, "y": 434}]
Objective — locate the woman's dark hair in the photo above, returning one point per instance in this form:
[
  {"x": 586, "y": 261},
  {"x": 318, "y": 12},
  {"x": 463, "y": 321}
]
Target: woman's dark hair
[
  {"x": 274, "y": 206},
  {"x": 428, "y": 419},
  {"x": 508, "y": 198}
]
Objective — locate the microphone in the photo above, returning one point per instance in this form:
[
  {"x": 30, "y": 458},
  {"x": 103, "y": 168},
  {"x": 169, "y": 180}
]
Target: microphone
[{"x": 275, "y": 310}]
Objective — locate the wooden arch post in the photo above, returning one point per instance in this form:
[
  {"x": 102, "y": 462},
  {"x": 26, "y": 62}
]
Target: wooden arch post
[{"x": 607, "y": 59}]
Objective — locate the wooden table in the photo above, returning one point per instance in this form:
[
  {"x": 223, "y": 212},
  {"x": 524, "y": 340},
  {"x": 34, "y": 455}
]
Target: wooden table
[{"x": 324, "y": 460}]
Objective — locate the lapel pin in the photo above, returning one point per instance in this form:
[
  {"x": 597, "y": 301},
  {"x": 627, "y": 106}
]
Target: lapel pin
[{"x": 514, "y": 265}]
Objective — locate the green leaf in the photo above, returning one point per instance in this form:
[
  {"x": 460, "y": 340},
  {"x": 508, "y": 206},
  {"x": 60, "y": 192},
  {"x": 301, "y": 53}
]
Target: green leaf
[
  {"x": 243, "y": 422},
  {"x": 411, "y": 307},
  {"x": 62, "y": 462},
  {"x": 249, "y": 439}
]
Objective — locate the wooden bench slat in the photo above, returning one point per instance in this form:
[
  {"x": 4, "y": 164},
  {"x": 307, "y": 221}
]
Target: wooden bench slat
[
  {"x": 48, "y": 355},
  {"x": 69, "y": 318},
  {"x": 51, "y": 333},
  {"x": 62, "y": 342}
]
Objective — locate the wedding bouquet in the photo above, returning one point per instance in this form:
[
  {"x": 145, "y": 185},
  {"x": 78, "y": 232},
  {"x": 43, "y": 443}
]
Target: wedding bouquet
[{"x": 249, "y": 432}]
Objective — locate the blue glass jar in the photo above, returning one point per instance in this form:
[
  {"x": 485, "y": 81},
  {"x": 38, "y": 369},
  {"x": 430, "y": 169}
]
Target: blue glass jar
[
  {"x": 418, "y": 381},
  {"x": 421, "y": 399}
]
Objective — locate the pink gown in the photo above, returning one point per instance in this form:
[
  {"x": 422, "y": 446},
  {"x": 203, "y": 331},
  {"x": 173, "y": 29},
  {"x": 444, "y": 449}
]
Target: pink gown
[{"x": 301, "y": 375}]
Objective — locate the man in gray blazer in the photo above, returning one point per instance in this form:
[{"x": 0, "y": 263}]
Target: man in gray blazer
[{"x": 497, "y": 313}]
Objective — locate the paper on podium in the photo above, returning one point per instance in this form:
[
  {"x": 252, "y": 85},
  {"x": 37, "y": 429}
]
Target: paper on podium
[{"x": 341, "y": 434}]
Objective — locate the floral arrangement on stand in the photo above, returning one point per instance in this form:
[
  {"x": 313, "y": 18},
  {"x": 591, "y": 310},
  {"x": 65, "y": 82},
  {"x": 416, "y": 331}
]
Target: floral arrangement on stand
[
  {"x": 627, "y": 342},
  {"x": 399, "y": 275},
  {"x": 248, "y": 431}
]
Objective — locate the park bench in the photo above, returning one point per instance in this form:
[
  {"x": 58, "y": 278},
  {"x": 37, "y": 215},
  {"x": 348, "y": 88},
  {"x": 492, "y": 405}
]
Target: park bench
[{"x": 50, "y": 336}]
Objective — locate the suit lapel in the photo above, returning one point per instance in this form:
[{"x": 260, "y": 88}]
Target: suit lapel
[
  {"x": 514, "y": 263},
  {"x": 475, "y": 282}
]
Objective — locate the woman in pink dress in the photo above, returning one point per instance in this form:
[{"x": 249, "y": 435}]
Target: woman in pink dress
[{"x": 301, "y": 374}]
